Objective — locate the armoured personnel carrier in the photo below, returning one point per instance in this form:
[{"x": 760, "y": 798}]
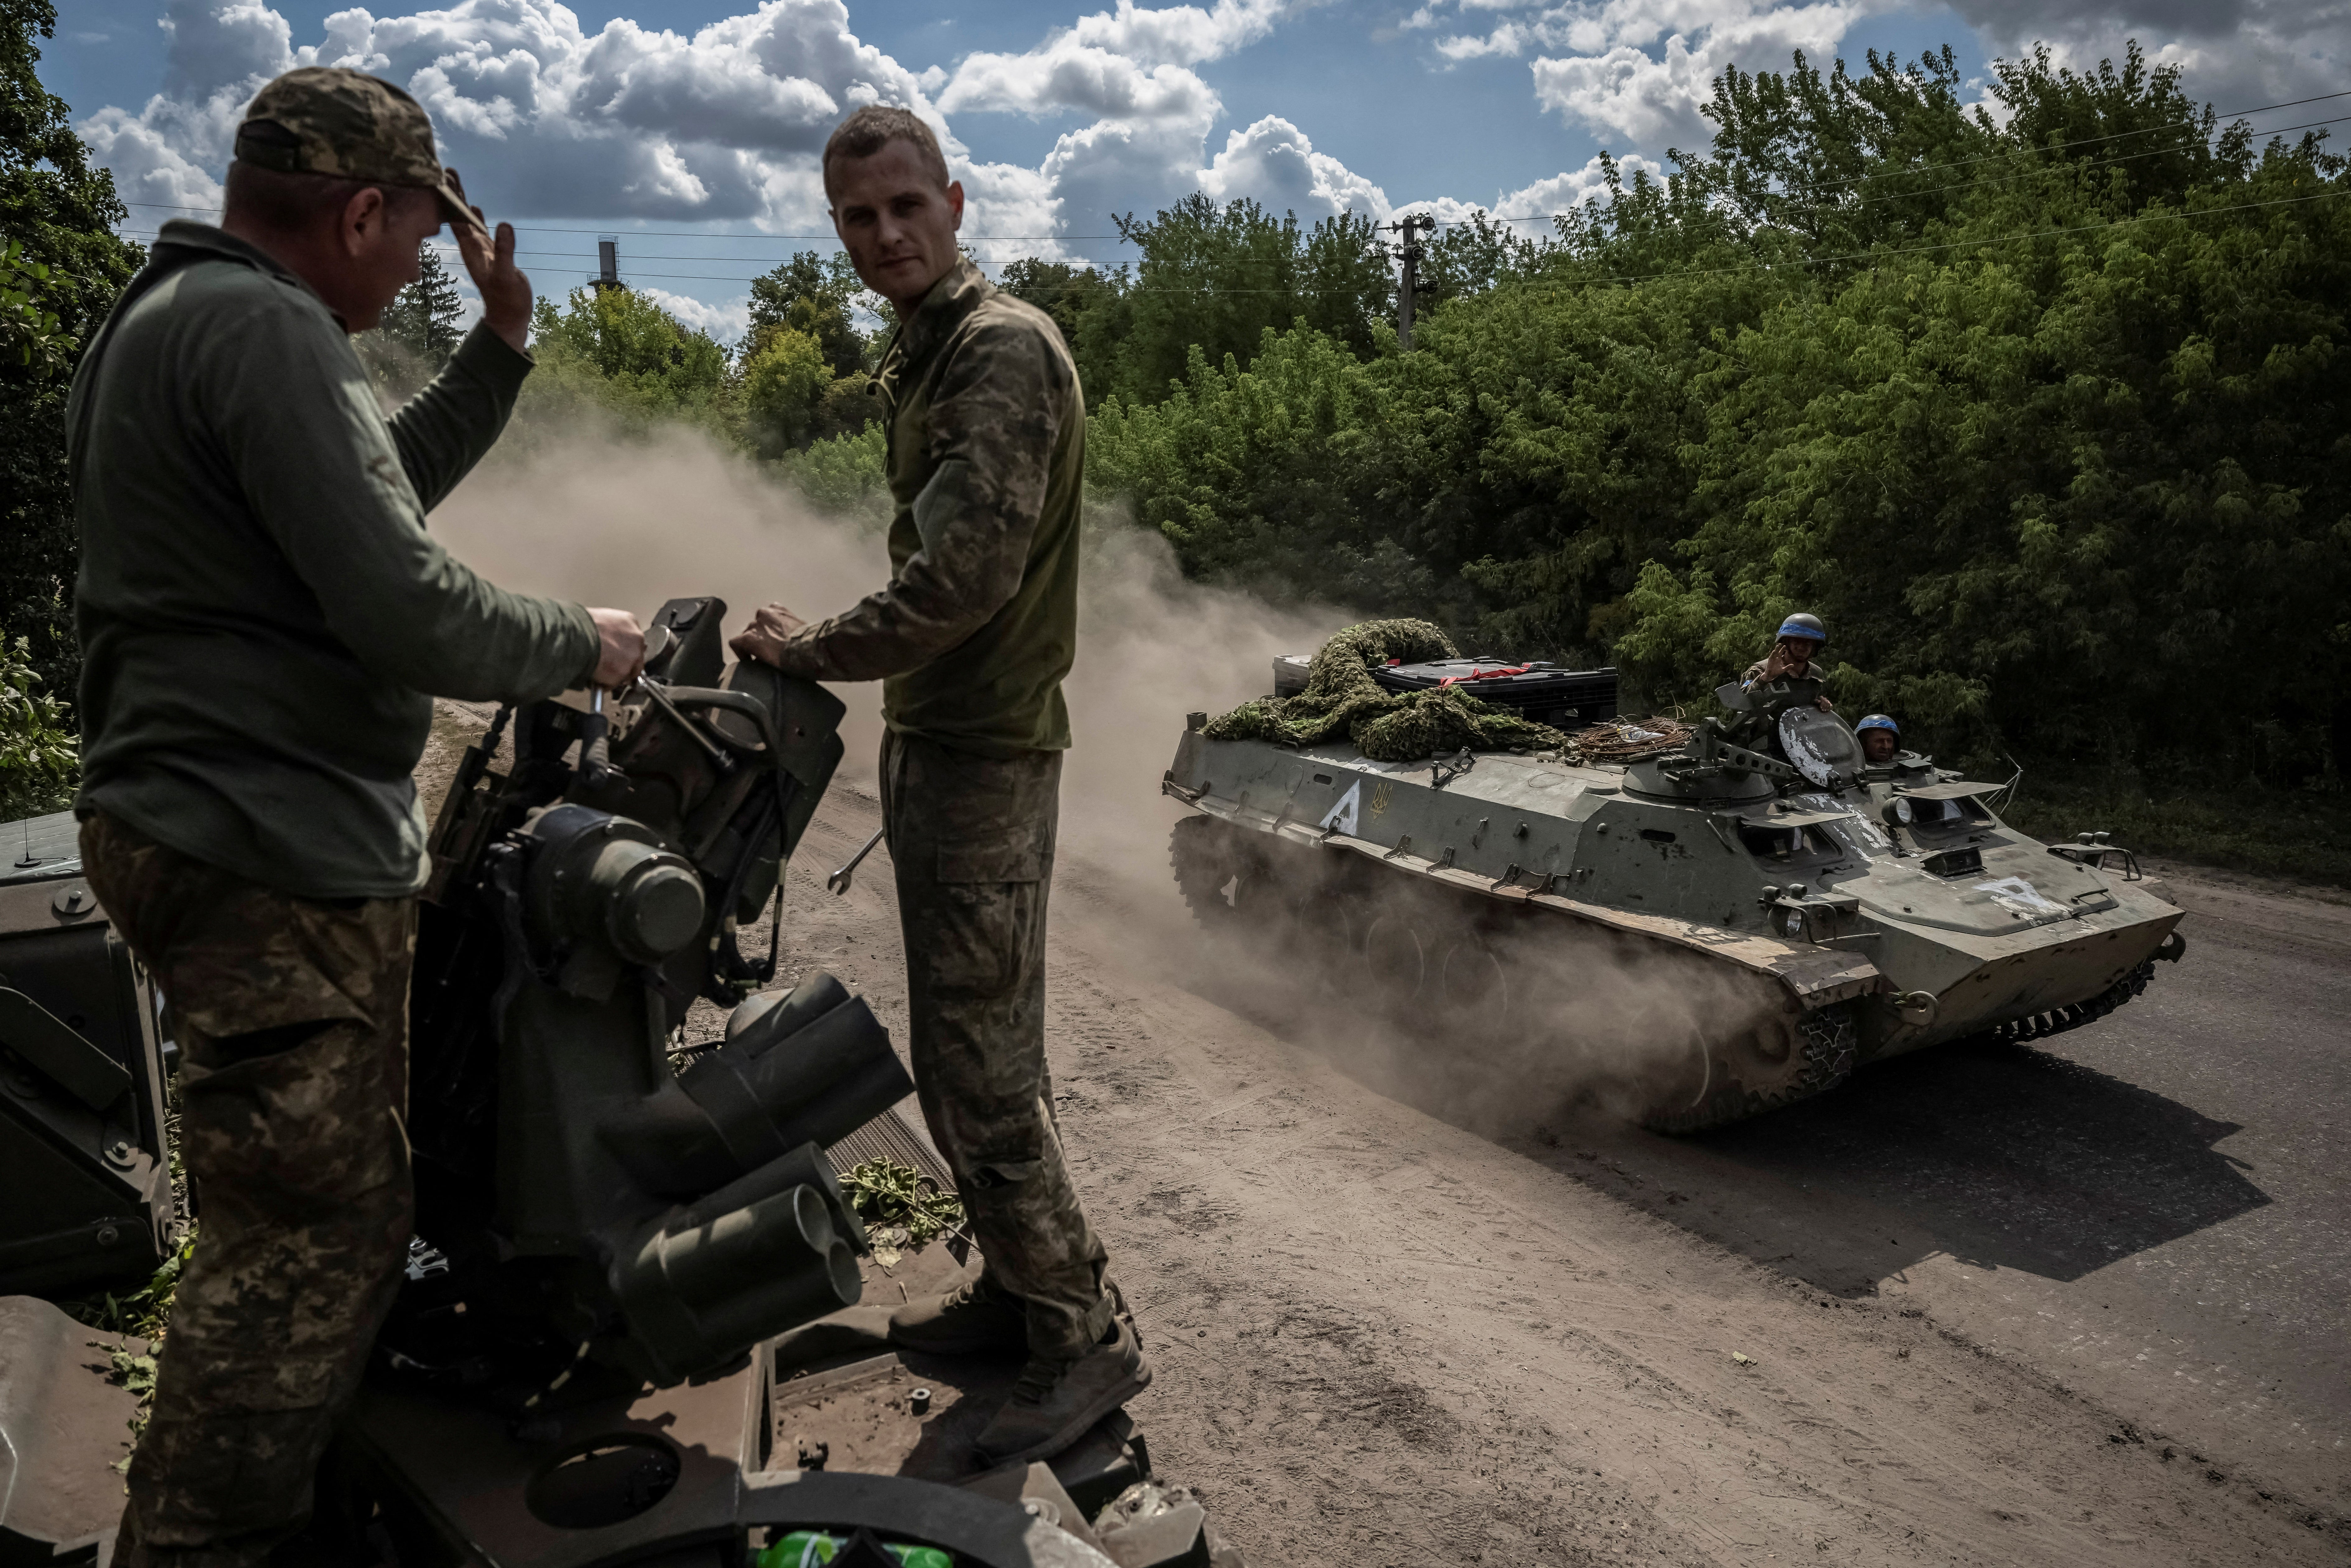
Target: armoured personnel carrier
[{"x": 1811, "y": 912}]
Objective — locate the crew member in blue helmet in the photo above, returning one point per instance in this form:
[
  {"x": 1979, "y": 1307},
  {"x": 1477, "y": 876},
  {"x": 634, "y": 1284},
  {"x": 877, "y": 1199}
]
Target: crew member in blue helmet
[
  {"x": 1783, "y": 679},
  {"x": 1790, "y": 664},
  {"x": 1881, "y": 737}
]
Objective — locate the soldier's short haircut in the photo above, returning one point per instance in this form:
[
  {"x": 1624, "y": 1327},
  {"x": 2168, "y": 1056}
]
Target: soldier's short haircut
[
  {"x": 290, "y": 203},
  {"x": 869, "y": 129}
]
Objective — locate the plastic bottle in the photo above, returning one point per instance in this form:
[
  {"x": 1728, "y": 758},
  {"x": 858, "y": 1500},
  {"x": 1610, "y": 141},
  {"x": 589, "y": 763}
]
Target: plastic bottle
[{"x": 812, "y": 1548}]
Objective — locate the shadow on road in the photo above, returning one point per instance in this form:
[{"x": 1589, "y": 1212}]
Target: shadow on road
[
  {"x": 2013, "y": 1157},
  {"x": 2003, "y": 1157}
]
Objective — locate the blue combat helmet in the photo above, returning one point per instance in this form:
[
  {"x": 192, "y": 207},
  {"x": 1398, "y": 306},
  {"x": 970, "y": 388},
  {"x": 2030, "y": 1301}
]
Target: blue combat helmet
[
  {"x": 1877, "y": 721},
  {"x": 1802, "y": 625}
]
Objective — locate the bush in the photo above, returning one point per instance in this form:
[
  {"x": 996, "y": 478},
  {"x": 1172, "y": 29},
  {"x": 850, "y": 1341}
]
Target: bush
[{"x": 40, "y": 760}]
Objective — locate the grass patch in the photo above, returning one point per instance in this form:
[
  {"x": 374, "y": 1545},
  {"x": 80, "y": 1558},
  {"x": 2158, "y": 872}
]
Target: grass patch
[{"x": 2297, "y": 835}]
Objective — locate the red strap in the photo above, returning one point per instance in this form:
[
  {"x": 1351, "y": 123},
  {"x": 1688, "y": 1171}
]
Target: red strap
[{"x": 1478, "y": 674}]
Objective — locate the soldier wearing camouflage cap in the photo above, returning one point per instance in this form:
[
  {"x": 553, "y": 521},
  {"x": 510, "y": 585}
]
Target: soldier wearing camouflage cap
[
  {"x": 263, "y": 614},
  {"x": 971, "y": 638}
]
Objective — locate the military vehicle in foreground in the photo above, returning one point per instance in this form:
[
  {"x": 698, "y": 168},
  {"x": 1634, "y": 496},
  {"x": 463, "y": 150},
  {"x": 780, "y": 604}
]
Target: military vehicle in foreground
[
  {"x": 1803, "y": 914},
  {"x": 634, "y": 1327}
]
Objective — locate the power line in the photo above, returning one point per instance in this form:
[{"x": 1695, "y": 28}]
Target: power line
[
  {"x": 1457, "y": 223},
  {"x": 2010, "y": 152},
  {"x": 1989, "y": 179},
  {"x": 659, "y": 234},
  {"x": 1874, "y": 254}
]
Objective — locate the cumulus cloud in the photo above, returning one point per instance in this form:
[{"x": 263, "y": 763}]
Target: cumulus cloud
[
  {"x": 1273, "y": 162},
  {"x": 628, "y": 121},
  {"x": 1641, "y": 69},
  {"x": 1129, "y": 72},
  {"x": 2233, "y": 54},
  {"x": 725, "y": 322},
  {"x": 723, "y": 123},
  {"x": 1529, "y": 208},
  {"x": 1616, "y": 83}
]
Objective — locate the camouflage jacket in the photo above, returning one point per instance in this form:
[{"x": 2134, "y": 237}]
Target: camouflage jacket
[{"x": 986, "y": 454}]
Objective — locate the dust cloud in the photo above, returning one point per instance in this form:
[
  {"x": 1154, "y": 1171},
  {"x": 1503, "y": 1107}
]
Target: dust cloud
[
  {"x": 633, "y": 522},
  {"x": 1509, "y": 1021}
]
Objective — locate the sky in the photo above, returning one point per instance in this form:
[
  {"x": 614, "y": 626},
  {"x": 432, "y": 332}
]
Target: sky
[{"x": 690, "y": 128}]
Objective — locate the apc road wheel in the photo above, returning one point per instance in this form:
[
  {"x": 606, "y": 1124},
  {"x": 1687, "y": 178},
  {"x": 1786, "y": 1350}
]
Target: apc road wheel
[
  {"x": 1473, "y": 987},
  {"x": 1397, "y": 959},
  {"x": 1224, "y": 880},
  {"x": 1776, "y": 1063}
]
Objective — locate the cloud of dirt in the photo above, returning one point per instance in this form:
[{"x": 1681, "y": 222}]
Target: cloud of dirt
[
  {"x": 1501, "y": 1019},
  {"x": 634, "y": 522}
]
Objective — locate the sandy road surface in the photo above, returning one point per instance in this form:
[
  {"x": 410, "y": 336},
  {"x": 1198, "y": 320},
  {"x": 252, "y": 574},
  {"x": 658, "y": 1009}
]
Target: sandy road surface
[{"x": 1384, "y": 1338}]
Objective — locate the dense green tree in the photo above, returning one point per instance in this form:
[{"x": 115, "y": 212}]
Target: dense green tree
[
  {"x": 62, "y": 212},
  {"x": 816, "y": 295},
  {"x": 2046, "y": 413},
  {"x": 425, "y": 319},
  {"x": 784, "y": 379},
  {"x": 644, "y": 358},
  {"x": 1214, "y": 278}
]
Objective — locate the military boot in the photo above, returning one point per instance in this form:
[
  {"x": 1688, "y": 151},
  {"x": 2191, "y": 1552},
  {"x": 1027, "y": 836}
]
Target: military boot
[
  {"x": 1057, "y": 1399},
  {"x": 978, "y": 1317}
]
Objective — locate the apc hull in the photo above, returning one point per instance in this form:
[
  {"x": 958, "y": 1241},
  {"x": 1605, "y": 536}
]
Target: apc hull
[{"x": 1429, "y": 886}]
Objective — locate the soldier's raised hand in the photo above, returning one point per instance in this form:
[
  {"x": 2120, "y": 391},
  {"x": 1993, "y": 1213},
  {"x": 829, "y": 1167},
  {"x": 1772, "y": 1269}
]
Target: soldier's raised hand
[{"x": 489, "y": 262}]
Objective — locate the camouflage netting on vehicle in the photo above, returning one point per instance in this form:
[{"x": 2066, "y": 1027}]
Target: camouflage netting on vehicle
[{"x": 1341, "y": 699}]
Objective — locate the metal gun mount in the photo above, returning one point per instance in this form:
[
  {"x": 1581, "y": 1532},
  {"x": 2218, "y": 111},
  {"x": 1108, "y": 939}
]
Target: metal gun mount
[
  {"x": 584, "y": 1366},
  {"x": 594, "y": 1208}
]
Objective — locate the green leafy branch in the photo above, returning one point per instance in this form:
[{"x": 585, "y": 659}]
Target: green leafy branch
[
  {"x": 886, "y": 1193},
  {"x": 27, "y": 326}
]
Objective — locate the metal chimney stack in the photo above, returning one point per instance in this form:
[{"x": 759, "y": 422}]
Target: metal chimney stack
[{"x": 608, "y": 263}]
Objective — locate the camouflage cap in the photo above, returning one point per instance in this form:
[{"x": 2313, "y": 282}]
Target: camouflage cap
[{"x": 331, "y": 120}]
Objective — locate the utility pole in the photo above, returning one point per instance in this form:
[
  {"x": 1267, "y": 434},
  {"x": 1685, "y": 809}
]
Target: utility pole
[{"x": 1408, "y": 251}]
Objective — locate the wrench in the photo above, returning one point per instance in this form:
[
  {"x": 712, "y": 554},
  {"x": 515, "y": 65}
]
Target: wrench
[{"x": 837, "y": 882}]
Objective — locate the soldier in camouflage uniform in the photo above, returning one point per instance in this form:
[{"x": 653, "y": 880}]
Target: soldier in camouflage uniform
[
  {"x": 261, "y": 611},
  {"x": 971, "y": 639}
]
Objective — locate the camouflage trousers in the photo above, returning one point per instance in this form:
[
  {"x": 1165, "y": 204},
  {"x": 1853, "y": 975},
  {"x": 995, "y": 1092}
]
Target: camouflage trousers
[
  {"x": 972, "y": 842},
  {"x": 292, "y": 1022}
]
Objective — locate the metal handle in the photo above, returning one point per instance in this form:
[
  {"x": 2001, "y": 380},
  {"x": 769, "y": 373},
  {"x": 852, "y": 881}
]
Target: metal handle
[
  {"x": 596, "y": 742},
  {"x": 837, "y": 882}
]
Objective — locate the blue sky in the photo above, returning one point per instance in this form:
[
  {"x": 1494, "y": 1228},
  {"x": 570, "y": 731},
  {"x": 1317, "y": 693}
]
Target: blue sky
[{"x": 639, "y": 116}]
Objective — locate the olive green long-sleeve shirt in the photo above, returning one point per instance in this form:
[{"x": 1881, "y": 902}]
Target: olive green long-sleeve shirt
[
  {"x": 261, "y": 611},
  {"x": 979, "y": 621}
]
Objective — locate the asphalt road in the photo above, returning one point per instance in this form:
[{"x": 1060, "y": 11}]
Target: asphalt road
[{"x": 2152, "y": 1210}]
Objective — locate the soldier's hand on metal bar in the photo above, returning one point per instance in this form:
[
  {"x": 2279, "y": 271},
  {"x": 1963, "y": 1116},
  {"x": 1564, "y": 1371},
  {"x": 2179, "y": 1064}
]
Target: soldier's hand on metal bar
[
  {"x": 621, "y": 648},
  {"x": 769, "y": 630}
]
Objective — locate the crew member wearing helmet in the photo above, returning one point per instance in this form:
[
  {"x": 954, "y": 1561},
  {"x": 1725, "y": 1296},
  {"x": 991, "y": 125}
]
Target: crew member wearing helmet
[
  {"x": 1783, "y": 680},
  {"x": 1881, "y": 737}
]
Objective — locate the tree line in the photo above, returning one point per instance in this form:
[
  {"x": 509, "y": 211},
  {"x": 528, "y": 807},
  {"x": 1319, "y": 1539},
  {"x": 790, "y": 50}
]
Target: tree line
[{"x": 2041, "y": 408}]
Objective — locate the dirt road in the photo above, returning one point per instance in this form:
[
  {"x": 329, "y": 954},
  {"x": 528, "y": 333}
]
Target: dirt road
[
  {"x": 1382, "y": 1338},
  {"x": 1861, "y": 1332}
]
